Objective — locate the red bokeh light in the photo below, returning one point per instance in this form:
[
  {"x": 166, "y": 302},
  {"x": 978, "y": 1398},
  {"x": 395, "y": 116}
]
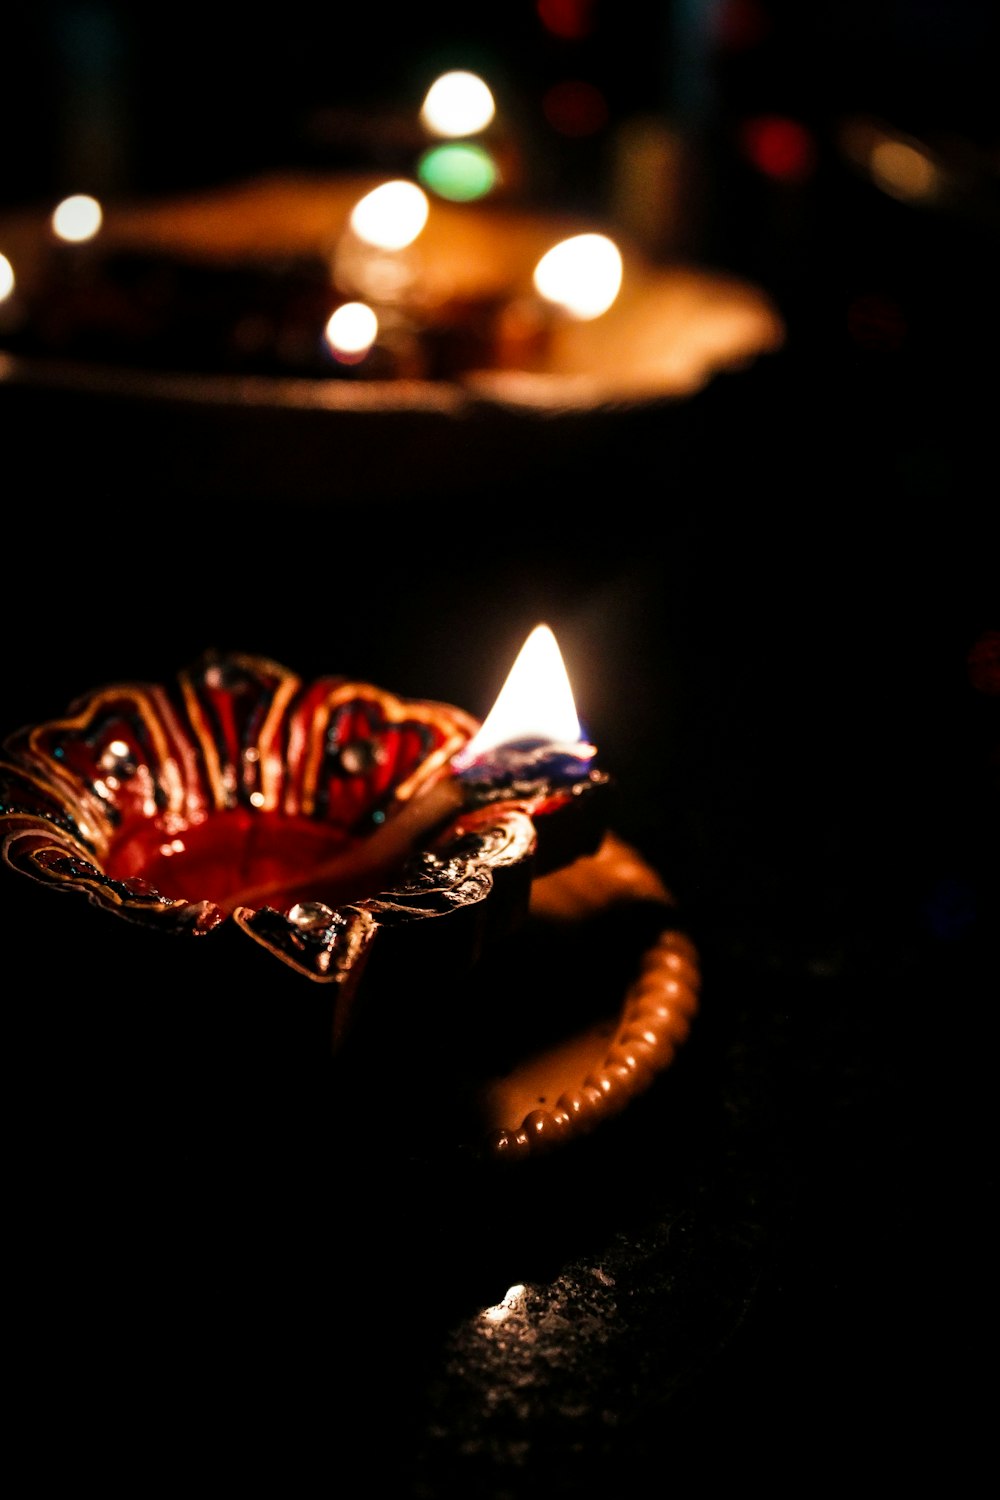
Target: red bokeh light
[
  {"x": 779, "y": 147},
  {"x": 570, "y": 19}
]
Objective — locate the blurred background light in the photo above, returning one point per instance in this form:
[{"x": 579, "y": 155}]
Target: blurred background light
[
  {"x": 351, "y": 331},
  {"x": 458, "y": 104},
  {"x": 391, "y": 216},
  {"x": 459, "y": 171},
  {"x": 582, "y": 275},
  {"x": 779, "y": 147},
  {"x": 77, "y": 218},
  {"x": 570, "y": 19},
  {"x": 903, "y": 170}
]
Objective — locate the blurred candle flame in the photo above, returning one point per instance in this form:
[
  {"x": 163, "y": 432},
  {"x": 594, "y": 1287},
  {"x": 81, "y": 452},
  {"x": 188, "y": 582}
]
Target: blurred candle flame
[
  {"x": 6, "y": 278},
  {"x": 582, "y": 275},
  {"x": 458, "y": 104},
  {"x": 535, "y": 703},
  {"x": 351, "y": 331},
  {"x": 390, "y": 217},
  {"x": 77, "y": 218}
]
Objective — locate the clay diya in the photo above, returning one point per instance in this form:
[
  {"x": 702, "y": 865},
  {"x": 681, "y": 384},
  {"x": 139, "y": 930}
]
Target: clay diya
[{"x": 342, "y": 873}]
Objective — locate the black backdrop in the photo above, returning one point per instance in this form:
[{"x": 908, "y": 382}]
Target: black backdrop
[{"x": 772, "y": 599}]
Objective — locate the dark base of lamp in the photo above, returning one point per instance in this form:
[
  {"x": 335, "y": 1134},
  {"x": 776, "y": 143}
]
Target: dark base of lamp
[{"x": 200, "y": 1077}]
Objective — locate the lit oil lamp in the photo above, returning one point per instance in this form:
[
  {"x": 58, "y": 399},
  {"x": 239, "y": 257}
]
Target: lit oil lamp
[
  {"x": 75, "y": 226},
  {"x": 529, "y": 753},
  {"x": 377, "y": 266},
  {"x": 312, "y": 816},
  {"x": 332, "y": 864},
  {"x": 351, "y": 330},
  {"x": 371, "y": 257},
  {"x": 576, "y": 280},
  {"x": 581, "y": 275},
  {"x": 433, "y": 329},
  {"x": 473, "y": 303}
]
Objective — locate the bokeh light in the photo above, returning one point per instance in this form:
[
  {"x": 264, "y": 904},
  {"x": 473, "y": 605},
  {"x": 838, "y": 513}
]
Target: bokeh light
[
  {"x": 458, "y": 171},
  {"x": 351, "y": 331},
  {"x": 779, "y": 147},
  {"x": 391, "y": 216},
  {"x": 582, "y": 275},
  {"x": 903, "y": 170},
  {"x": 570, "y": 19},
  {"x": 458, "y": 104},
  {"x": 6, "y": 278},
  {"x": 77, "y": 218}
]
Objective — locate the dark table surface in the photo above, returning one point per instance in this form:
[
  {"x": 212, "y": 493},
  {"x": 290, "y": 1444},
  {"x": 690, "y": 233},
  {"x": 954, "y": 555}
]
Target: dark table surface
[{"x": 778, "y": 602}]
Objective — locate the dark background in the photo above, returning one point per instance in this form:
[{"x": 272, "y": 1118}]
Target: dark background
[{"x": 778, "y": 601}]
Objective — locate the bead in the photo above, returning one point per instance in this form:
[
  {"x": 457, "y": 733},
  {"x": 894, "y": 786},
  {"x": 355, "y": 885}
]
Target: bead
[
  {"x": 656, "y": 1044},
  {"x": 545, "y": 1129},
  {"x": 612, "y": 1083},
  {"x": 583, "y": 1106},
  {"x": 639, "y": 1056}
]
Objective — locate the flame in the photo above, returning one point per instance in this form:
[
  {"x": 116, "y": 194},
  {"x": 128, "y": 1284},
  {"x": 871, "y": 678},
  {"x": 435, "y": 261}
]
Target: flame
[
  {"x": 582, "y": 275},
  {"x": 391, "y": 216},
  {"x": 6, "y": 278},
  {"x": 352, "y": 330},
  {"x": 536, "y": 701},
  {"x": 77, "y": 218},
  {"x": 457, "y": 104}
]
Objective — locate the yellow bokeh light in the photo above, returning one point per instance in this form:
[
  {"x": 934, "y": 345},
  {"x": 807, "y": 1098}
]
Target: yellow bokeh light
[
  {"x": 352, "y": 329},
  {"x": 902, "y": 170},
  {"x": 391, "y": 216},
  {"x": 458, "y": 104},
  {"x": 582, "y": 275},
  {"x": 77, "y": 218},
  {"x": 6, "y": 278}
]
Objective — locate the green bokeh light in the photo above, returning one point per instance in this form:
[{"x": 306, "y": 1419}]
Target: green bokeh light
[{"x": 458, "y": 171}]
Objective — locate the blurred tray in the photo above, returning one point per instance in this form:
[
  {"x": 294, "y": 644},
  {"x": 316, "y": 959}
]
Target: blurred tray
[{"x": 671, "y": 330}]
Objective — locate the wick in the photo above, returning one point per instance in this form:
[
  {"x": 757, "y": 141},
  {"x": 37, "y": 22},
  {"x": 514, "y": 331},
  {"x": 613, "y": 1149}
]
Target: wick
[{"x": 417, "y": 811}]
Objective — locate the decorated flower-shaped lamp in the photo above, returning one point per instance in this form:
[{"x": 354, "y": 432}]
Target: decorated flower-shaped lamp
[{"x": 338, "y": 873}]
